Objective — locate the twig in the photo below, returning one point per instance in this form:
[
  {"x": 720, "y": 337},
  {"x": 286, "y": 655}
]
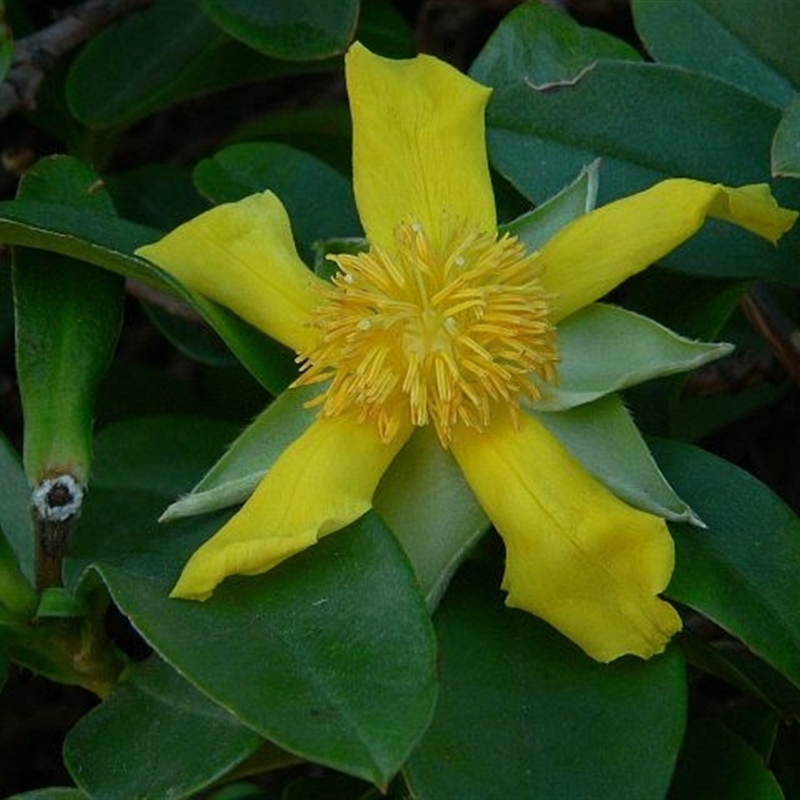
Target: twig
[
  {"x": 172, "y": 305},
  {"x": 34, "y": 55},
  {"x": 779, "y": 331}
]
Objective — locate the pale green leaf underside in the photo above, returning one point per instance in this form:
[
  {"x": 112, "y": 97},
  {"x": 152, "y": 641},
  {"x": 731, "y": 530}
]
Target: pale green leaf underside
[
  {"x": 604, "y": 438},
  {"x": 604, "y": 349},
  {"x": 786, "y": 144},
  {"x": 535, "y": 227},
  {"x": 234, "y": 477}
]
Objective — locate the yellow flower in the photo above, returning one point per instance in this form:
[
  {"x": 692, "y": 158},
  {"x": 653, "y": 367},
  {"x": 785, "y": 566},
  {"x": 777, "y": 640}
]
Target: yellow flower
[{"x": 442, "y": 322}]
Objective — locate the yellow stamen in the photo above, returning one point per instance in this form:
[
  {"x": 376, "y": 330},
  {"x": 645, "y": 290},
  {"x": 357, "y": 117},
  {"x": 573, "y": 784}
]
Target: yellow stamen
[{"x": 432, "y": 334}]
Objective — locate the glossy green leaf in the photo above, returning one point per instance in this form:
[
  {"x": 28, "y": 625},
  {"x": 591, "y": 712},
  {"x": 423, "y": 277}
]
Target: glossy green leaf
[
  {"x": 757, "y": 726},
  {"x": 741, "y": 572},
  {"x": 330, "y": 655},
  {"x": 384, "y": 29},
  {"x": 179, "y": 740},
  {"x": 604, "y": 438},
  {"x": 68, "y": 317},
  {"x": 191, "y": 336},
  {"x": 109, "y": 242},
  {"x": 523, "y": 713},
  {"x": 749, "y": 43},
  {"x": 139, "y": 65},
  {"x": 15, "y": 513},
  {"x": 784, "y": 761},
  {"x": 164, "y": 454},
  {"x": 318, "y": 199},
  {"x": 324, "y": 131},
  {"x": 786, "y": 144},
  {"x": 537, "y": 226},
  {"x": 16, "y": 591},
  {"x": 644, "y": 121},
  {"x": 51, "y": 793},
  {"x": 297, "y": 30},
  {"x": 160, "y": 196},
  {"x": 715, "y": 762},
  {"x": 604, "y": 348},
  {"x": 540, "y": 46},
  {"x": 737, "y": 666}
]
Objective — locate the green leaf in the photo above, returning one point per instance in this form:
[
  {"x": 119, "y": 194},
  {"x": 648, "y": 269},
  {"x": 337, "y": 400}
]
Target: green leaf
[
  {"x": 523, "y": 713},
  {"x": 604, "y": 438},
  {"x": 140, "y": 454},
  {"x": 784, "y": 761},
  {"x": 297, "y": 30},
  {"x": 730, "y": 662},
  {"x": 741, "y": 572},
  {"x": 603, "y": 348},
  {"x": 428, "y": 505},
  {"x": 650, "y": 131},
  {"x": 539, "y": 45},
  {"x": 715, "y": 762},
  {"x": 182, "y": 741},
  {"x": 234, "y": 477},
  {"x": 318, "y": 199},
  {"x": 324, "y": 131},
  {"x": 139, "y": 65},
  {"x": 68, "y": 317},
  {"x": 786, "y": 144},
  {"x": 51, "y": 793},
  {"x": 190, "y": 336},
  {"x": 15, "y": 507},
  {"x": 109, "y": 242},
  {"x": 383, "y": 28},
  {"x": 17, "y": 595},
  {"x": 330, "y": 655},
  {"x": 745, "y": 42},
  {"x": 537, "y": 226},
  {"x": 160, "y": 196}
]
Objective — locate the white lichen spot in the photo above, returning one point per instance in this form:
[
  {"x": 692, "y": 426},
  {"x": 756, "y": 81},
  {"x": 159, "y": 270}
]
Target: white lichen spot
[{"x": 57, "y": 499}]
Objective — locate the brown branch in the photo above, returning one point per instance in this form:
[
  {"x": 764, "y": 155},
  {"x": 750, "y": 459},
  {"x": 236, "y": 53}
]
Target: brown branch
[
  {"x": 779, "y": 331},
  {"x": 172, "y": 305},
  {"x": 34, "y": 55}
]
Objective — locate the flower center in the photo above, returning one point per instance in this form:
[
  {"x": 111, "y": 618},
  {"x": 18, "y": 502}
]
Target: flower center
[{"x": 432, "y": 334}]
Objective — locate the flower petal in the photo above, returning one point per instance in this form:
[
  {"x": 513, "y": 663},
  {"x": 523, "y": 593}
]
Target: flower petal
[
  {"x": 242, "y": 255},
  {"x": 576, "y": 556},
  {"x": 419, "y": 146},
  {"x": 322, "y": 482},
  {"x": 595, "y": 253}
]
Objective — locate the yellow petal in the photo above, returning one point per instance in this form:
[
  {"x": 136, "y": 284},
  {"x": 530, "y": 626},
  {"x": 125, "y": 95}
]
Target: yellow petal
[
  {"x": 596, "y": 252},
  {"x": 242, "y": 255},
  {"x": 419, "y": 146},
  {"x": 576, "y": 555},
  {"x": 322, "y": 482}
]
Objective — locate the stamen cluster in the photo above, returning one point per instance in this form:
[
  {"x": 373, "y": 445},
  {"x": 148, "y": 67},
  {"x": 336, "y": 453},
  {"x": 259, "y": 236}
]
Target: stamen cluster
[{"x": 431, "y": 334}]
